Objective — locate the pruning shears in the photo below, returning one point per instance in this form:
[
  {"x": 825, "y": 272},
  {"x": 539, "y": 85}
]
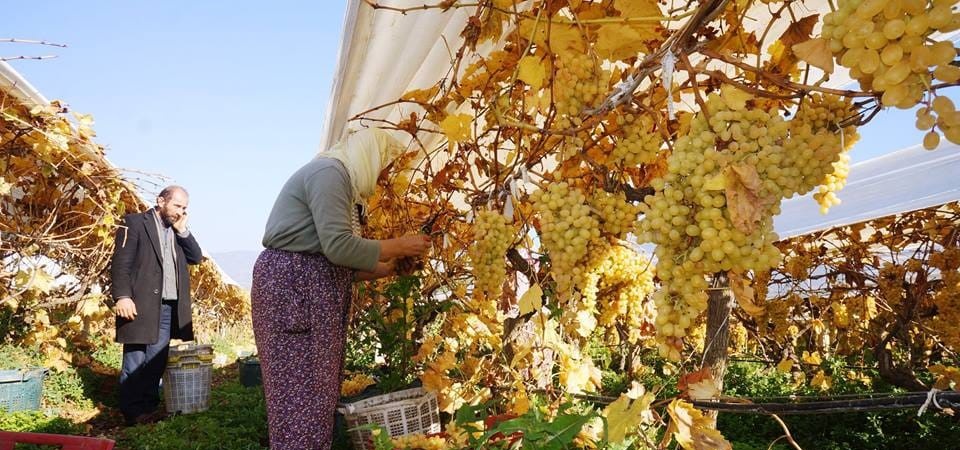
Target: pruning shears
[{"x": 427, "y": 227}]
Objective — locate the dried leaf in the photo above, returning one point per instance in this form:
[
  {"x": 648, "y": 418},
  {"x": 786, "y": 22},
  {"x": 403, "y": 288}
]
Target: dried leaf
[
  {"x": 626, "y": 413},
  {"x": 744, "y": 200},
  {"x": 742, "y": 288},
  {"x": 799, "y": 31},
  {"x": 699, "y": 385},
  {"x": 692, "y": 430},
  {"x": 816, "y": 52}
]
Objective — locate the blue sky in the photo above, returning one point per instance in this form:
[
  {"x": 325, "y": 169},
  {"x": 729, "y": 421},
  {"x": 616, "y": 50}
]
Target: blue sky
[{"x": 225, "y": 98}]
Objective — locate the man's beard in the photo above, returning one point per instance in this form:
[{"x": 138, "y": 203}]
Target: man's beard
[{"x": 167, "y": 219}]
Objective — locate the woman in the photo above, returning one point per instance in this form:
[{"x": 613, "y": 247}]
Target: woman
[{"x": 302, "y": 284}]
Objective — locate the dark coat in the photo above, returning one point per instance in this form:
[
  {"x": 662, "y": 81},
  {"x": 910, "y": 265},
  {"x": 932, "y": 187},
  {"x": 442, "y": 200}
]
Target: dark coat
[{"x": 136, "y": 271}]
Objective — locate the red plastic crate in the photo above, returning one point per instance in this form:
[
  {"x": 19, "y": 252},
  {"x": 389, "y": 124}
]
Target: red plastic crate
[{"x": 9, "y": 439}]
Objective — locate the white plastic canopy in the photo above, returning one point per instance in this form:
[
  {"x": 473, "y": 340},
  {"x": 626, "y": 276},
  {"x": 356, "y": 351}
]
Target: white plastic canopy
[{"x": 902, "y": 181}]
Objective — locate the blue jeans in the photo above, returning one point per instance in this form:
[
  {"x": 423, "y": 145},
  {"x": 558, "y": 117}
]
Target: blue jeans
[{"x": 143, "y": 366}]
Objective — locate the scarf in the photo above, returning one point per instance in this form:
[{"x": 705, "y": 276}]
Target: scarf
[{"x": 365, "y": 153}]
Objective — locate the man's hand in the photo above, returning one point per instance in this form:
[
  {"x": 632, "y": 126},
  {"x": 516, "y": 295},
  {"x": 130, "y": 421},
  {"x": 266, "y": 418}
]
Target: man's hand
[
  {"x": 126, "y": 308},
  {"x": 181, "y": 224}
]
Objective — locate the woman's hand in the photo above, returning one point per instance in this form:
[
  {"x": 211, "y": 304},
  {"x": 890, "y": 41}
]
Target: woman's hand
[
  {"x": 410, "y": 245},
  {"x": 408, "y": 265},
  {"x": 383, "y": 270}
]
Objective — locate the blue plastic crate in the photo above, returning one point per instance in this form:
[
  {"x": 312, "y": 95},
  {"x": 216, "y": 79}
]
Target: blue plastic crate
[{"x": 21, "y": 389}]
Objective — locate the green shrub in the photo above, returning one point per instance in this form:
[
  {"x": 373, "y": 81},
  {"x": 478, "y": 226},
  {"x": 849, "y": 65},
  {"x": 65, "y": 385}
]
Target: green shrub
[
  {"x": 109, "y": 355},
  {"x": 843, "y": 431},
  {"x": 66, "y": 388},
  {"x": 37, "y": 422},
  {"x": 60, "y": 388}
]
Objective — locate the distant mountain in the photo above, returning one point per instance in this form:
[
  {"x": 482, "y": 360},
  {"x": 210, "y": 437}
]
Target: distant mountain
[{"x": 238, "y": 264}]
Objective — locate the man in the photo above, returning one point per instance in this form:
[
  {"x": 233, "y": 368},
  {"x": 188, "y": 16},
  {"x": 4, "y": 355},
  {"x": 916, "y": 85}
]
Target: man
[{"x": 151, "y": 291}]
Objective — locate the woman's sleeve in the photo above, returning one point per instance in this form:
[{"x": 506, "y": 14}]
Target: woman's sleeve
[{"x": 328, "y": 193}]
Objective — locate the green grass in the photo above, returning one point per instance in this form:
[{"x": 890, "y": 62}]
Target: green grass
[{"x": 237, "y": 419}]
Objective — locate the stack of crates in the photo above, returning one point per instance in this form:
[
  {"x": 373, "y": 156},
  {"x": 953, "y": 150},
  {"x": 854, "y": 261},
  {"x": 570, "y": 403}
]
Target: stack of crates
[{"x": 186, "y": 382}]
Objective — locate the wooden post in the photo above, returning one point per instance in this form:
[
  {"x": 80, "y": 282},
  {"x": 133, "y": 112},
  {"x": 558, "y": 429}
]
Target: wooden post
[{"x": 719, "y": 305}]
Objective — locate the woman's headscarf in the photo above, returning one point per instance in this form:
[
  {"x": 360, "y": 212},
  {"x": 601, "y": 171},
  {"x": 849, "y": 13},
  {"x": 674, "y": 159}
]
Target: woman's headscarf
[{"x": 365, "y": 153}]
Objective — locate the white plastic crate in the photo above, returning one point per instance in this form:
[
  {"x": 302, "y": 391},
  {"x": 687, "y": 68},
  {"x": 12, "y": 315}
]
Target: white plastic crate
[
  {"x": 400, "y": 413},
  {"x": 186, "y": 389}
]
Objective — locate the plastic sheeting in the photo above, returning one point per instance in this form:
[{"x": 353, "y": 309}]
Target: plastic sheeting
[
  {"x": 902, "y": 181},
  {"x": 384, "y": 54}
]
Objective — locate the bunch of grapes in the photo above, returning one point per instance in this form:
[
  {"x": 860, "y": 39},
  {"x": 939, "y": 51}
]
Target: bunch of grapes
[
  {"x": 567, "y": 227},
  {"x": 888, "y": 48},
  {"x": 817, "y": 151},
  {"x": 419, "y": 441},
  {"x": 617, "y": 216},
  {"x": 941, "y": 114},
  {"x": 493, "y": 234},
  {"x": 640, "y": 143},
  {"x": 624, "y": 282},
  {"x": 729, "y": 147},
  {"x": 576, "y": 85},
  {"x": 356, "y": 384}
]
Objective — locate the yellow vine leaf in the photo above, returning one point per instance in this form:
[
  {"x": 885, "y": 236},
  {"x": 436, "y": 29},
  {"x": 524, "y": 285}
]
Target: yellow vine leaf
[
  {"x": 744, "y": 200},
  {"x": 456, "y": 127},
  {"x": 815, "y": 52},
  {"x": 5, "y": 187},
  {"x": 421, "y": 95},
  {"x": 586, "y": 323},
  {"x": 41, "y": 319},
  {"x": 785, "y": 365},
  {"x": 88, "y": 306},
  {"x": 947, "y": 377},
  {"x": 627, "y": 40},
  {"x": 812, "y": 358},
  {"x": 11, "y": 302},
  {"x": 626, "y": 413},
  {"x": 532, "y": 72},
  {"x": 622, "y": 41},
  {"x": 743, "y": 291},
  {"x": 638, "y": 8},
  {"x": 870, "y": 308},
  {"x": 564, "y": 38},
  {"x": 736, "y": 99},
  {"x": 692, "y": 430},
  {"x": 821, "y": 381},
  {"x": 531, "y": 300},
  {"x": 37, "y": 280}
]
